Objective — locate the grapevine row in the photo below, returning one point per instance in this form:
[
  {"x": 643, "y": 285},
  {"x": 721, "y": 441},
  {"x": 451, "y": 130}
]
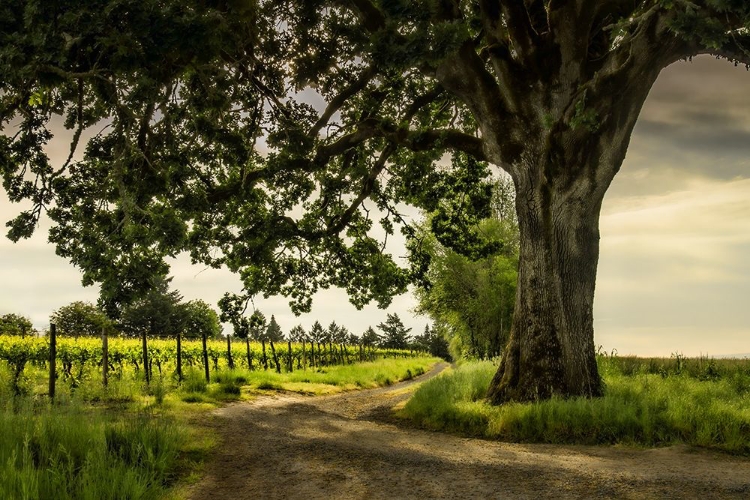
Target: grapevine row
[{"x": 75, "y": 354}]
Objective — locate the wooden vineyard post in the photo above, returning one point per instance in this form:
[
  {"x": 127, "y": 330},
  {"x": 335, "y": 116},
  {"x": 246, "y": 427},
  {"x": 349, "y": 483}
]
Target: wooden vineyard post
[
  {"x": 229, "y": 352},
  {"x": 52, "y": 358},
  {"x": 179, "y": 357},
  {"x": 105, "y": 358},
  {"x": 289, "y": 350},
  {"x": 205, "y": 357},
  {"x": 145, "y": 357},
  {"x": 275, "y": 357},
  {"x": 249, "y": 355}
]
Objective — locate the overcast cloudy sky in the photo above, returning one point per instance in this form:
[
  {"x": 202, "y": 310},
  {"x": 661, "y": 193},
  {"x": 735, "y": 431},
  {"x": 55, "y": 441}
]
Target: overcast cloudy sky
[{"x": 674, "y": 273}]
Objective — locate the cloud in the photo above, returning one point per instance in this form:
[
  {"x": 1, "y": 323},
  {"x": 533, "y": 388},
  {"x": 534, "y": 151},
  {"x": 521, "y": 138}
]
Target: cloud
[
  {"x": 694, "y": 124},
  {"x": 676, "y": 263}
]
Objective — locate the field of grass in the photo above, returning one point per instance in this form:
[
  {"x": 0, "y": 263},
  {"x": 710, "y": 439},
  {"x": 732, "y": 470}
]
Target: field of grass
[
  {"x": 130, "y": 440},
  {"x": 647, "y": 402}
]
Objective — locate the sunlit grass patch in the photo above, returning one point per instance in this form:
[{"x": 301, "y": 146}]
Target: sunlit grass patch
[
  {"x": 74, "y": 452},
  {"x": 639, "y": 409}
]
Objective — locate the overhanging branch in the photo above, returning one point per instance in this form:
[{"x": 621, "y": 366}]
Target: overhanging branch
[{"x": 736, "y": 50}]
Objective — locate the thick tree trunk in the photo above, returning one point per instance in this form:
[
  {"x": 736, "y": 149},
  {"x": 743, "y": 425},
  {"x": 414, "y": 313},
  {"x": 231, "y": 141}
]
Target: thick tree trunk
[{"x": 551, "y": 346}]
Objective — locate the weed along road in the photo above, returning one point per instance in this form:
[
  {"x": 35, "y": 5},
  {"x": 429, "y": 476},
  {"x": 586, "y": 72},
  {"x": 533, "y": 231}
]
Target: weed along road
[{"x": 350, "y": 446}]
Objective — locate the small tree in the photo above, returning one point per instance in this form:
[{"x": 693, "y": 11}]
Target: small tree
[
  {"x": 317, "y": 335},
  {"x": 201, "y": 319},
  {"x": 298, "y": 334},
  {"x": 370, "y": 338},
  {"x": 395, "y": 334},
  {"x": 14, "y": 324},
  {"x": 80, "y": 318},
  {"x": 274, "y": 333},
  {"x": 158, "y": 312},
  {"x": 233, "y": 308}
]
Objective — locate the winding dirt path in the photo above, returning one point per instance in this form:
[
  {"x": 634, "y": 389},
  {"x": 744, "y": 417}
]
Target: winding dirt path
[{"x": 347, "y": 446}]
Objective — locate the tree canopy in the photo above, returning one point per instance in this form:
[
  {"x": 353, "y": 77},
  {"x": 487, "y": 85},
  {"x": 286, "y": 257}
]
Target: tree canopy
[
  {"x": 159, "y": 311},
  {"x": 15, "y": 324},
  {"x": 200, "y": 320},
  {"x": 281, "y": 139},
  {"x": 81, "y": 318},
  {"x": 395, "y": 334}
]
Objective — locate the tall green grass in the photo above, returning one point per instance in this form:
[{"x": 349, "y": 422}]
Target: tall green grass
[
  {"x": 129, "y": 440},
  {"x": 68, "y": 451},
  {"x": 638, "y": 408}
]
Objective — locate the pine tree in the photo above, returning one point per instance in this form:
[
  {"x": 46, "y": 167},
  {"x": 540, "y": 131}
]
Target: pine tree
[{"x": 395, "y": 334}]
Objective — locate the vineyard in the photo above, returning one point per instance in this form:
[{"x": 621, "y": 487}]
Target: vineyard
[{"x": 75, "y": 355}]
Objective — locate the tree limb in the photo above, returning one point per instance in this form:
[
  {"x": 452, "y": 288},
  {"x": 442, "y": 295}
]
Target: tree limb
[
  {"x": 340, "y": 99},
  {"x": 369, "y": 14},
  {"x": 518, "y": 23}
]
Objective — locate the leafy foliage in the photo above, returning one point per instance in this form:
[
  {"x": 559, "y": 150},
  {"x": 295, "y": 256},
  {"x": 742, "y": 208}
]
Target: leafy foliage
[
  {"x": 200, "y": 319},
  {"x": 158, "y": 311},
  {"x": 471, "y": 301},
  {"x": 395, "y": 334},
  {"x": 14, "y": 324},
  {"x": 81, "y": 318}
]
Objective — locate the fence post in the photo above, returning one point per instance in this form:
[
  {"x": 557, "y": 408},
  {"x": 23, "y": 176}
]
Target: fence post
[
  {"x": 105, "y": 357},
  {"x": 52, "y": 358},
  {"x": 289, "y": 349},
  {"x": 205, "y": 357},
  {"x": 230, "y": 361},
  {"x": 179, "y": 357},
  {"x": 145, "y": 357}
]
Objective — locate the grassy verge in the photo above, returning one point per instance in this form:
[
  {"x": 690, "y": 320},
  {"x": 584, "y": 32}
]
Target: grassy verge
[
  {"x": 639, "y": 408},
  {"x": 71, "y": 452},
  {"x": 130, "y": 440}
]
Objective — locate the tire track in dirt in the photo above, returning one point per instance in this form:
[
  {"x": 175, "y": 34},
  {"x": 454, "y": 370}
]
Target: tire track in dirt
[{"x": 347, "y": 446}]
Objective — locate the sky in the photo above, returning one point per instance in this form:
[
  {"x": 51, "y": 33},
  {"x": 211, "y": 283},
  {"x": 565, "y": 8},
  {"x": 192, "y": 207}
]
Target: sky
[{"x": 674, "y": 269}]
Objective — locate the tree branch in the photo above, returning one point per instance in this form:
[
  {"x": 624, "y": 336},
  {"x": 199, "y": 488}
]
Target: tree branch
[
  {"x": 340, "y": 99},
  {"x": 370, "y": 15},
  {"x": 368, "y": 185},
  {"x": 522, "y": 33},
  {"x": 737, "y": 50}
]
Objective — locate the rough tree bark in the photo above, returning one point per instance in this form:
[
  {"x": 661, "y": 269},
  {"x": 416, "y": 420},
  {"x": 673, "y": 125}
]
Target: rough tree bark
[{"x": 561, "y": 130}]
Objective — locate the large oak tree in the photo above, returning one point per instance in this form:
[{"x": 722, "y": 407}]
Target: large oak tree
[{"x": 262, "y": 135}]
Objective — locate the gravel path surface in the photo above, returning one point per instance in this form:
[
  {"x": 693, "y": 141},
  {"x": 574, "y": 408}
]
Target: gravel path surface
[{"x": 348, "y": 446}]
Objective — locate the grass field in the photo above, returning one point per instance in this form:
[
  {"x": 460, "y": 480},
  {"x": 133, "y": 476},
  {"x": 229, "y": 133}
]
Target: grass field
[
  {"x": 647, "y": 402},
  {"x": 132, "y": 441}
]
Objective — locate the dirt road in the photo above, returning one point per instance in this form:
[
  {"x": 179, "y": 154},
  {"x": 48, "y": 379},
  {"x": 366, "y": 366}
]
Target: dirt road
[{"x": 347, "y": 446}]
